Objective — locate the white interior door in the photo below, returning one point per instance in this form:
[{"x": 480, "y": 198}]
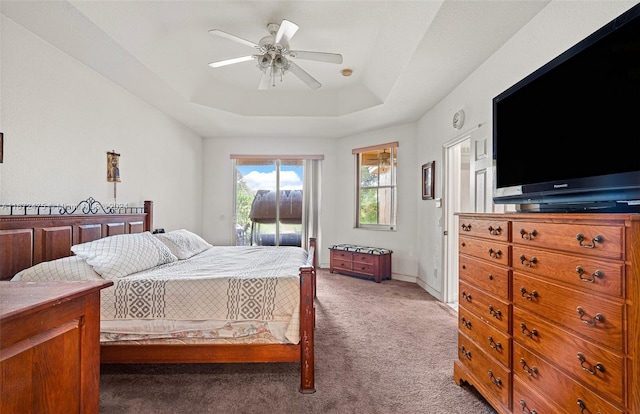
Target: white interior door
[
  {"x": 469, "y": 188},
  {"x": 456, "y": 199}
]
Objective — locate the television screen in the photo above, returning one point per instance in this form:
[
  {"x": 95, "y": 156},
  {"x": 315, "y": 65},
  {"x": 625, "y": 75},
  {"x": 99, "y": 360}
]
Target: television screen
[{"x": 567, "y": 132}]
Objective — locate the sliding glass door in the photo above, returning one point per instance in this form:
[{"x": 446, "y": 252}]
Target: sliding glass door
[{"x": 268, "y": 202}]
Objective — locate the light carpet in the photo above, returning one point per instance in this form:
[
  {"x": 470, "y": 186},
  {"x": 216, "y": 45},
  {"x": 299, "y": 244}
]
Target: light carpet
[{"x": 379, "y": 348}]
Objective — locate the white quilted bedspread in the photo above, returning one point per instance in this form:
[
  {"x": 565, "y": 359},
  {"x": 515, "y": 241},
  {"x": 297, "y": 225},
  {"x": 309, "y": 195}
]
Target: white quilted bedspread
[{"x": 222, "y": 283}]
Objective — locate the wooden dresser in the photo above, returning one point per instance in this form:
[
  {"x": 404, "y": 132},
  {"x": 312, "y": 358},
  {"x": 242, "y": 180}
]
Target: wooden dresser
[
  {"x": 49, "y": 347},
  {"x": 549, "y": 316},
  {"x": 363, "y": 261}
]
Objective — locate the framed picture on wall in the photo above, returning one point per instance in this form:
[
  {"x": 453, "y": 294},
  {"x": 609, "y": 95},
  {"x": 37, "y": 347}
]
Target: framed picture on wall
[
  {"x": 113, "y": 167},
  {"x": 428, "y": 180}
]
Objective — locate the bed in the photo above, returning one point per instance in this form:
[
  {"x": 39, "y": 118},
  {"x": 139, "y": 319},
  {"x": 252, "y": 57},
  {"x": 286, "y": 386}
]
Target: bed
[{"x": 259, "y": 307}]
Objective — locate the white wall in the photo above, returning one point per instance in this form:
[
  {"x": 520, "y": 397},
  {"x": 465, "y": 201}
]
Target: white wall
[
  {"x": 337, "y": 209},
  {"x": 556, "y": 28},
  {"x": 403, "y": 240},
  {"x": 59, "y": 119},
  {"x": 218, "y": 202}
]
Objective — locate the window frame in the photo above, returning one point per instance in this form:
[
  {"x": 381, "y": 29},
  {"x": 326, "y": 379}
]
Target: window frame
[
  {"x": 310, "y": 186},
  {"x": 392, "y": 219}
]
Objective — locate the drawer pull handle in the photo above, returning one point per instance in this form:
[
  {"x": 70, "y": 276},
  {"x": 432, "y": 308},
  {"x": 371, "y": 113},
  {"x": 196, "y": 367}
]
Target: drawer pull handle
[
  {"x": 496, "y": 231},
  {"x": 528, "y": 236},
  {"x": 496, "y": 381},
  {"x": 465, "y": 353},
  {"x": 466, "y": 296},
  {"x": 598, "y": 366},
  {"x": 527, "y": 332},
  {"x": 529, "y": 263},
  {"x": 495, "y": 345},
  {"x": 529, "y": 371},
  {"x": 592, "y": 322},
  {"x": 465, "y": 323},
  {"x": 597, "y": 274},
  {"x": 583, "y": 406},
  {"x": 496, "y": 313},
  {"x": 530, "y": 296},
  {"x": 466, "y": 227},
  {"x": 597, "y": 239},
  {"x": 490, "y": 276},
  {"x": 495, "y": 253},
  {"x": 525, "y": 409}
]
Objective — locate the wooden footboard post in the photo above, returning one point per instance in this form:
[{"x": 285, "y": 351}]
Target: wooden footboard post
[{"x": 307, "y": 324}]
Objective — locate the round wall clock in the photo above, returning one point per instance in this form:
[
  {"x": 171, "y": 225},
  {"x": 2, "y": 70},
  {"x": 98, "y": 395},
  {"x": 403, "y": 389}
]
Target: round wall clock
[{"x": 458, "y": 119}]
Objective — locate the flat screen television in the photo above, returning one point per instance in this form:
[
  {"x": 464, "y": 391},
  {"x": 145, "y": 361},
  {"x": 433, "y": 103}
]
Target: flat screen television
[{"x": 567, "y": 137}]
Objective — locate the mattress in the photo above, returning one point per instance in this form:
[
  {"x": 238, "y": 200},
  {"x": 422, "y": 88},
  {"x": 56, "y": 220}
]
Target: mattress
[{"x": 221, "y": 293}]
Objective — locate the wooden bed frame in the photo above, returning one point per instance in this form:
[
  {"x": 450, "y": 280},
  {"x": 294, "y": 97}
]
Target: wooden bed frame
[{"x": 45, "y": 234}]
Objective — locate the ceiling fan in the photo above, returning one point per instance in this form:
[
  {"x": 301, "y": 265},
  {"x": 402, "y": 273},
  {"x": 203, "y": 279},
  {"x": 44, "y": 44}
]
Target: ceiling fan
[{"x": 273, "y": 55}]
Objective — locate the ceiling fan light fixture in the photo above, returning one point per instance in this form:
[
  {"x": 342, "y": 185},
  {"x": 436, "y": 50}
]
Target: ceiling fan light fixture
[
  {"x": 280, "y": 62},
  {"x": 265, "y": 60}
]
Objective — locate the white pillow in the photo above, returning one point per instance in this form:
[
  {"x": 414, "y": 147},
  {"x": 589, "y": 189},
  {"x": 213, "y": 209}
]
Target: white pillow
[
  {"x": 67, "y": 268},
  {"x": 118, "y": 256},
  {"x": 183, "y": 244}
]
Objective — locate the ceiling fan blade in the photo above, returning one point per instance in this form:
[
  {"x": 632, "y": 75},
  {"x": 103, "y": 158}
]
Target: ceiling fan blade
[
  {"x": 286, "y": 31},
  {"x": 265, "y": 80},
  {"x": 304, "y": 76},
  {"x": 234, "y": 38},
  {"x": 227, "y": 62},
  {"x": 318, "y": 56}
]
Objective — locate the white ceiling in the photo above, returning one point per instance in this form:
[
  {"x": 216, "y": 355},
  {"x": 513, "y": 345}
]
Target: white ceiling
[{"x": 406, "y": 56}]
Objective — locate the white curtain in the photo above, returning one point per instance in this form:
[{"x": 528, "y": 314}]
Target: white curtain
[{"x": 310, "y": 200}]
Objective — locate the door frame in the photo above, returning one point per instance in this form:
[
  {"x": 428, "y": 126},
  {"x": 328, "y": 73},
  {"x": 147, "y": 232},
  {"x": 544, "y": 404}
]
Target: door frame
[{"x": 455, "y": 181}]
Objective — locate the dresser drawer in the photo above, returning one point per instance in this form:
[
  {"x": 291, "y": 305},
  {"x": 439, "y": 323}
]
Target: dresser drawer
[
  {"x": 593, "y": 240},
  {"x": 587, "y": 315},
  {"x": 583, "y": 272},
  {"x": 497, "y": 253},
  {"x": 528, "y": 401},
  {"x": 491, "y": 340},
  {"x": 490, "y": 309},
  {"x": 556, "y": 386},
  {"x": 572, "y": 354},
  {"x": 495, "y": 377},
  {"x": 364, "y": 258},
  {"x": 488, "y": 277},
  {"x": 487, "y": 228}
]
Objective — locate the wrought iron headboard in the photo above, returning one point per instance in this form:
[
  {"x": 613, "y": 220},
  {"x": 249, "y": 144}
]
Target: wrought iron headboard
[{"x": 88, "y": 206}]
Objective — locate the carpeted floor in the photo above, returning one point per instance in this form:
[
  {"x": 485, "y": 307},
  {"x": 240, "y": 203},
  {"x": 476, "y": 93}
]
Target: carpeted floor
[{"x": 380, "y": 348}]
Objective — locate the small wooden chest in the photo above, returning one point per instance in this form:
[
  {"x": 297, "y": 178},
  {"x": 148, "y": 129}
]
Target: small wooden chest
[{"x": 369, "y": 262}]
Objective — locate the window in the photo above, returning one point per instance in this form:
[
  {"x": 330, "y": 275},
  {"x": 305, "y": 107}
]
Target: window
[
  {"x": 271, "y": 208},
  {"x": 376, "y": 183}
]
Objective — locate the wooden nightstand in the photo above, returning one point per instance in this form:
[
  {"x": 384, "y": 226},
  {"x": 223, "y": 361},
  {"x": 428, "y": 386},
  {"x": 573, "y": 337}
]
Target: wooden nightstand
[
  {"x": 370, "y": 262},
  {"x": 50, "y": 346}
]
